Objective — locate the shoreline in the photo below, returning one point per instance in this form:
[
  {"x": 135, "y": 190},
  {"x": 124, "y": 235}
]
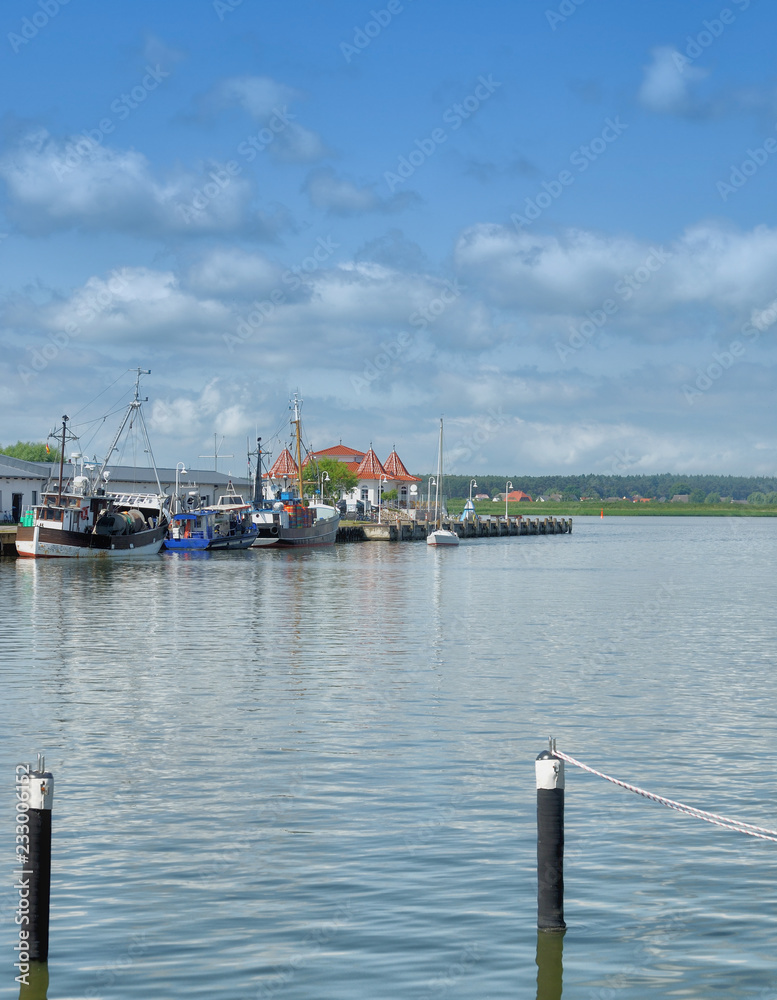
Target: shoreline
[{"x": 626, "y": 509}]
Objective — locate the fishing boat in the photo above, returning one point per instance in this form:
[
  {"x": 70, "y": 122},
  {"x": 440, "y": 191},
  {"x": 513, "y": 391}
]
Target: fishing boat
[
  {"x": 226, "y": 525},
  {"x": 81, "y": 518},
  {"x": 283, "y": 519},
  {"x": 440, "y": 535}
]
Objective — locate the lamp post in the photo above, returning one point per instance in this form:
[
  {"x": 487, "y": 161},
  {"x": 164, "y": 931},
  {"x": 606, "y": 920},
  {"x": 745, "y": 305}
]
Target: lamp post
[
  {"x": 181, "y": 467},
  {"x": 432, "y": 482},
  {"x": 381, "y": 481},
  {"x": 508, "y": 487},
  {"x": 471, "y": 484},
  {"x": 324, "y": 479}
]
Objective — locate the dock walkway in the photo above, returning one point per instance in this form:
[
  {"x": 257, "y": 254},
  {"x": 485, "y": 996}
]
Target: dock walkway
[{"x": 400, "y": 530}]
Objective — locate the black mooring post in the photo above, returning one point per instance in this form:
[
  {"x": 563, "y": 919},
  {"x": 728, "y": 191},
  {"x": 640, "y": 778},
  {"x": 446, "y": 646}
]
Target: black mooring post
[
  {"x": 40, "y": 786},
  {"x": 550, "y": 841}
]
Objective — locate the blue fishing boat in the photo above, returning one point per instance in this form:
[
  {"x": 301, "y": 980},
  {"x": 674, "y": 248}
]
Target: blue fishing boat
[{"x": 226, "y": 525}]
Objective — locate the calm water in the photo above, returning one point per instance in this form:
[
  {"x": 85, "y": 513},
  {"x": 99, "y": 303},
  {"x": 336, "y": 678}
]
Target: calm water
[{"x": 310, "y": 775}]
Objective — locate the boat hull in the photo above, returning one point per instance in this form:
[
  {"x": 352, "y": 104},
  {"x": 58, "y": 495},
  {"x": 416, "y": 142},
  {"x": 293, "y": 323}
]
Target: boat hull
[
  {"x": 323, "y": 532},
  {"x": 40, "y": 542},
  {"x": 211, "y": 544},
  {"x": 442, "y": 537}
]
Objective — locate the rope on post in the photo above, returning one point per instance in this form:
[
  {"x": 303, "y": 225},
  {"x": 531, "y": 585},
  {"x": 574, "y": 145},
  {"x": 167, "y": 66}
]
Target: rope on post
[{"x": 762, "y": 833}]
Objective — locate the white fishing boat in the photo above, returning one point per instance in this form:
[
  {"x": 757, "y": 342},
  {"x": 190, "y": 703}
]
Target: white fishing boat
[
  {"x": 440, "y": 535},
  {"x": 81, "y": 518}
]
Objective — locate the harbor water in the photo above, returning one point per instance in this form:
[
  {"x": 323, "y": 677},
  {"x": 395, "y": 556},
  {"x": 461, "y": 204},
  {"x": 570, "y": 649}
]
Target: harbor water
[{"x": 298, "y": 775}]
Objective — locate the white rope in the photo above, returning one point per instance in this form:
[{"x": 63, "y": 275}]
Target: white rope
[{"x": 723, "y": 821}]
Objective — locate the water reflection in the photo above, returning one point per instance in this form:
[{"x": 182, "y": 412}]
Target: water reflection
[
  {"x": 550, "y": 967},
  {"x": 37, "y": 983}
]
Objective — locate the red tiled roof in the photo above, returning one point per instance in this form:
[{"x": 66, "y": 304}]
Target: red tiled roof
[
  {"x": 518, "y": 495},
  {"x": 395, "y": 468},
  {"x": 352, "y": 457},
  {"x": 284, "y": 466},
  {"x": 370, "y": 467}
]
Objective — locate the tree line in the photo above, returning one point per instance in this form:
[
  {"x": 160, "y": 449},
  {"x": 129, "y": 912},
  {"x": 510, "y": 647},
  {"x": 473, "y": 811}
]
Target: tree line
[{"x": 601, "y": 487}]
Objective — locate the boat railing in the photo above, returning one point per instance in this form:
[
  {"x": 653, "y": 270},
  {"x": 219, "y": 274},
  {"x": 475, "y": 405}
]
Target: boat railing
[{"x": 135, "y": 499}]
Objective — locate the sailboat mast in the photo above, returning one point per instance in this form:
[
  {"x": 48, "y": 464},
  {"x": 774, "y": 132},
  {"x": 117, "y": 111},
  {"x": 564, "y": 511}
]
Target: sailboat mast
[
  {"x": 296, "y": 422},
  {"x": 439, "y": 481}
]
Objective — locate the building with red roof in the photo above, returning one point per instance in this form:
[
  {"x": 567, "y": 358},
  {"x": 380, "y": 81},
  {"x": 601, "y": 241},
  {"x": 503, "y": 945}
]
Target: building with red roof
[
  {"x": 375, "y": 478},
  {"x": 283, "y": 471},
  {"x": 351, "y": 457}
]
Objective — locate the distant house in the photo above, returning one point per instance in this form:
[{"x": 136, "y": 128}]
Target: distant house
[
  {"x": 681, "y": 498},
  {"x": 516, "y": 496},
  {"x": 482, "y": 496}
]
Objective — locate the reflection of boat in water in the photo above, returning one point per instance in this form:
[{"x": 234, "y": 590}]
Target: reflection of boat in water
[
  {"x": 81, "y": 519},
  {"x": 440, "y": 536},
  {"x": 284, "y": 520},
  {"x": 227, "y": 525}
]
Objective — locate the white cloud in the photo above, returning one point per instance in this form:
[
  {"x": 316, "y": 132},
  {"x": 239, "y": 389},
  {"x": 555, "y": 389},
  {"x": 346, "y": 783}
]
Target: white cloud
[
  {"x": 717, "y": 270},
  {"x": 267, "y": 102},
  {"x": 131, "y": 306},
  {"x": 230, "y": 271},
  {"x": 667, "y": 87},
  {"x": 339, "y": 196},
  {"x": 77, "y": 183}
]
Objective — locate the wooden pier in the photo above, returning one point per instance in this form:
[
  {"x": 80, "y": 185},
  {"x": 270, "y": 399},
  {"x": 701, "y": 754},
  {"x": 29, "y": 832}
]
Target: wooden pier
[{"x": 400, "y": 530}]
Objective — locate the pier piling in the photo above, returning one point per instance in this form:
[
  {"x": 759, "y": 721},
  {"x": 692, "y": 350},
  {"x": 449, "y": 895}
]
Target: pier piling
[
  {"x": 39, "y": 785},
  {"x": 549, "y": 771}
]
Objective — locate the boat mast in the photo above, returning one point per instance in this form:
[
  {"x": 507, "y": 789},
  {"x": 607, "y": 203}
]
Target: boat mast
[
  {"x": 296, "y": 422},
  {"x": 62, "y": 458},
  {"x": 134, "y": 405},
  {"x": 258, "y": 483},
  {"x": 439, "y": 481}
]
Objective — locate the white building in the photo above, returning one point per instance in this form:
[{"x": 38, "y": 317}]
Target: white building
[{"x": 21, "y": 483}]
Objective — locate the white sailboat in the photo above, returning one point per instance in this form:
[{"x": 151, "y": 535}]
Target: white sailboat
[{"x": 440, "y": 536}]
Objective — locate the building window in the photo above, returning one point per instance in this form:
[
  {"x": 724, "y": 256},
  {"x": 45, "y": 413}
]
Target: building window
[
  {"x": 34, "y": 498},
  {"x": 366, "y": 496}
]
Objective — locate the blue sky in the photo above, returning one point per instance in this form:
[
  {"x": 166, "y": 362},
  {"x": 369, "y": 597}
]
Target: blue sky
[{"x": 552, "y": 223}]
